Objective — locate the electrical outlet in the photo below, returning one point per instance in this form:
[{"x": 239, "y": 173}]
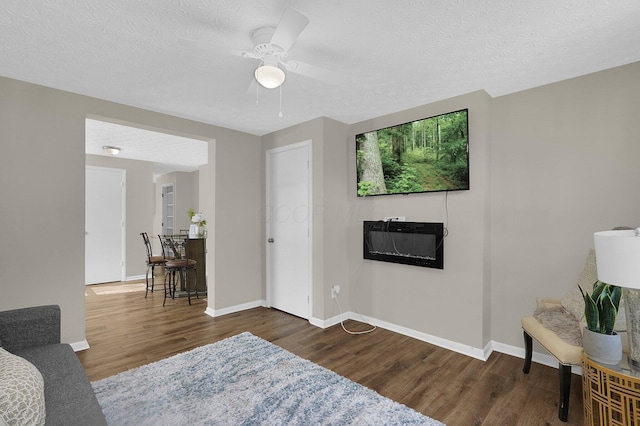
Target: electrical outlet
[{"x": 334, "y": 291}]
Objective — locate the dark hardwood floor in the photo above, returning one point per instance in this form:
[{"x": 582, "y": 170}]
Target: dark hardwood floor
[{"x": 125, "y": 330}]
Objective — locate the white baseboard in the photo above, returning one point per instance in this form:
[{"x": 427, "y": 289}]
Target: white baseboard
[
  {"x": 80, "y": 346},
  {"x": 477, "y": 353},
  {"x": 136, "y": 277},
  {"x": 537, "y": 357},
  {"x": 438, "y": 341},
  {"x": 232, "y": 309},
  {"x": 481, "y": 354},
  {"x": 434, "y": 340},
  {"x": 330, "y": 322}
]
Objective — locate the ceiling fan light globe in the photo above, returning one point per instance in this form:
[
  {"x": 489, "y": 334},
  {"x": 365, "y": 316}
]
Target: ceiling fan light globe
[{"x": 269, "y": 76}]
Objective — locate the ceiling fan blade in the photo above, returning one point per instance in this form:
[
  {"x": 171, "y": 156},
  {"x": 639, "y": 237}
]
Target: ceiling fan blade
[
  {"x": 289, "y": 28},
  {"x": 312, "y": 71}
]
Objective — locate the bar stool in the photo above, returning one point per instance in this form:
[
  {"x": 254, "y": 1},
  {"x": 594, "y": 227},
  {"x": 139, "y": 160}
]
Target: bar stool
[
  {"x": 177, "y": 266},
  {"x": 152, "y": 262}
]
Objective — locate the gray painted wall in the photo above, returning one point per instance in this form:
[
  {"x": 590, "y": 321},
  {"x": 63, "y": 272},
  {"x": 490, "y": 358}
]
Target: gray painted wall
[
  {"x": 234, "y": 249},
  {"x": 549, "y": 166},
  {"x": 42, "y": 171},
  {"x": 564, "y": 165},
  {"x": 449, "y": 303}
]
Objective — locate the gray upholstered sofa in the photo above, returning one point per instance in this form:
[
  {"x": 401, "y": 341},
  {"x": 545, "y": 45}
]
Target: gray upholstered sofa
[{"x": 34, "y": 334}]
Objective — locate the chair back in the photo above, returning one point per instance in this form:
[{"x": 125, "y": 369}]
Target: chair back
[
  {"x": 171, "y": 249},
  {"x": 147, "y": 245}
]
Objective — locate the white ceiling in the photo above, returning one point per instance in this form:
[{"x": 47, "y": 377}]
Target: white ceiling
[
  {"x": 168, "y": 153},
  {"x": 390, "y": 55}
]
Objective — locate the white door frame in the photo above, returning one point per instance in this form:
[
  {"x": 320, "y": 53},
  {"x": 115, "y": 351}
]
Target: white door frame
[
  {"x": 268, "y": 168},
  {"x": 123, "y": 217}
]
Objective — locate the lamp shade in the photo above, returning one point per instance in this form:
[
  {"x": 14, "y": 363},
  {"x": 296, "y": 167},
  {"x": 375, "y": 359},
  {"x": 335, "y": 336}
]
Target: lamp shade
[
  {"x": 618, "y": 258},
  {"x": 269, "y": 76}
]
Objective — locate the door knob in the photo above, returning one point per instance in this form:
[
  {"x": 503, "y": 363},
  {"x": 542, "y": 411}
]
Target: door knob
[{"x": 270, "y": 240}]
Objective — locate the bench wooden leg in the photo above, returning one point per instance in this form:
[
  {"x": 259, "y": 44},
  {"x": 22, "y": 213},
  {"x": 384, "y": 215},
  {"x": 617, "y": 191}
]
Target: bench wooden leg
[
  {"x": 565, "y": 391},
  {"x": 528, "y": 352}
]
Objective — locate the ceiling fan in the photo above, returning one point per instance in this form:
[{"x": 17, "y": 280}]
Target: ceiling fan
[{"x": 271, "y": 46}]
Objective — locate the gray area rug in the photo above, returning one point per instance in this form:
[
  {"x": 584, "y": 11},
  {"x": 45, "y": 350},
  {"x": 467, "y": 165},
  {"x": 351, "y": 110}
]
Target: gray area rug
[{"x": 244, "y": 380}]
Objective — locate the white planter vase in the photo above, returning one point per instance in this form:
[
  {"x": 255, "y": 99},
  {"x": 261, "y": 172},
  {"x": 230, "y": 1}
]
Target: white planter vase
[
  {"x": 197, "y": 231},
  {"x": 201, "y": 231},
  {"x": 602, "y": 348}
]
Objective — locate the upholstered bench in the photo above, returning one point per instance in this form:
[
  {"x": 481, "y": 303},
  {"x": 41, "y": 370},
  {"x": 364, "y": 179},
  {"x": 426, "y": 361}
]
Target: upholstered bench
[
  {"x": 557, "y": 326},
  {"x": 568, "y": 354}
]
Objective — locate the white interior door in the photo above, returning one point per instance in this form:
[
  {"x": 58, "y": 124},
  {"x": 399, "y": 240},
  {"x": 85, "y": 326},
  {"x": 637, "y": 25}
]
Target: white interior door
[
  {"x": 289, "y": 223},
  {"x": 104, "y": 225}
]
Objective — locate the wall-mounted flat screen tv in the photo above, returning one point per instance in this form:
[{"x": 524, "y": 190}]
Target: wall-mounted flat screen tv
[{"x": 425, "y": 155}]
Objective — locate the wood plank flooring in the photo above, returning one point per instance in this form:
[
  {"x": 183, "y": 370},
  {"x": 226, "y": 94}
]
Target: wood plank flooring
[{"x": 125, "y": 330}]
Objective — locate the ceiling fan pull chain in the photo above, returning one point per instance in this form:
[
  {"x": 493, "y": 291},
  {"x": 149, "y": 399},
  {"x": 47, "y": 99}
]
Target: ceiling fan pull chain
[{"x": 280, "y": 113}]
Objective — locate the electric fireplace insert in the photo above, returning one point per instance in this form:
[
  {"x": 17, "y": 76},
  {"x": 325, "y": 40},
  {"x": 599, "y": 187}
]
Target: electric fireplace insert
[{"x": 410, "y": 243}]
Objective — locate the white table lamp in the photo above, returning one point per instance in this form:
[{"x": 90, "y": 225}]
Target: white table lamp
[{"x": 618, "y": 263}]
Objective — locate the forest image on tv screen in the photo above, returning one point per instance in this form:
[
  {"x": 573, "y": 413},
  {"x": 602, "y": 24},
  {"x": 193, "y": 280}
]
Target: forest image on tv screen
[{"x": 420, "y": 156}]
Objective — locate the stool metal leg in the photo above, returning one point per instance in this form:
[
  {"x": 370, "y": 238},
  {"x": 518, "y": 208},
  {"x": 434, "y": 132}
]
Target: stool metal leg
[
  {"x": 147, "y": 277},
  {"x": 167, "y": 285},
  {"x": 195, "y": 281},
  {"x": 188, "y": 283},
  {"x": 153, "y": 278},
  {"x": 172, "y": 289}
]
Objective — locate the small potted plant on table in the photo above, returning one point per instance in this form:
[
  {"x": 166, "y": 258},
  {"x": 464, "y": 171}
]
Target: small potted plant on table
[
  {"x": 599, "y": 340},
  {"x": 197, "y": 229}
]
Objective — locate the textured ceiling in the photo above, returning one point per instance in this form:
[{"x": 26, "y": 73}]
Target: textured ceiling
[
  {"x": 168, "y": 153},
  {"x": 389, "y": 55}
]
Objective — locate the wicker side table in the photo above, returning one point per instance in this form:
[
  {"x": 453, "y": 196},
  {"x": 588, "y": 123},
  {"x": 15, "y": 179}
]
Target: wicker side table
[{"x": 611, "y": 394}]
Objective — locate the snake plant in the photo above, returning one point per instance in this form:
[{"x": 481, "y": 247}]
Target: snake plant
[{"x": 601, "y": 307}]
